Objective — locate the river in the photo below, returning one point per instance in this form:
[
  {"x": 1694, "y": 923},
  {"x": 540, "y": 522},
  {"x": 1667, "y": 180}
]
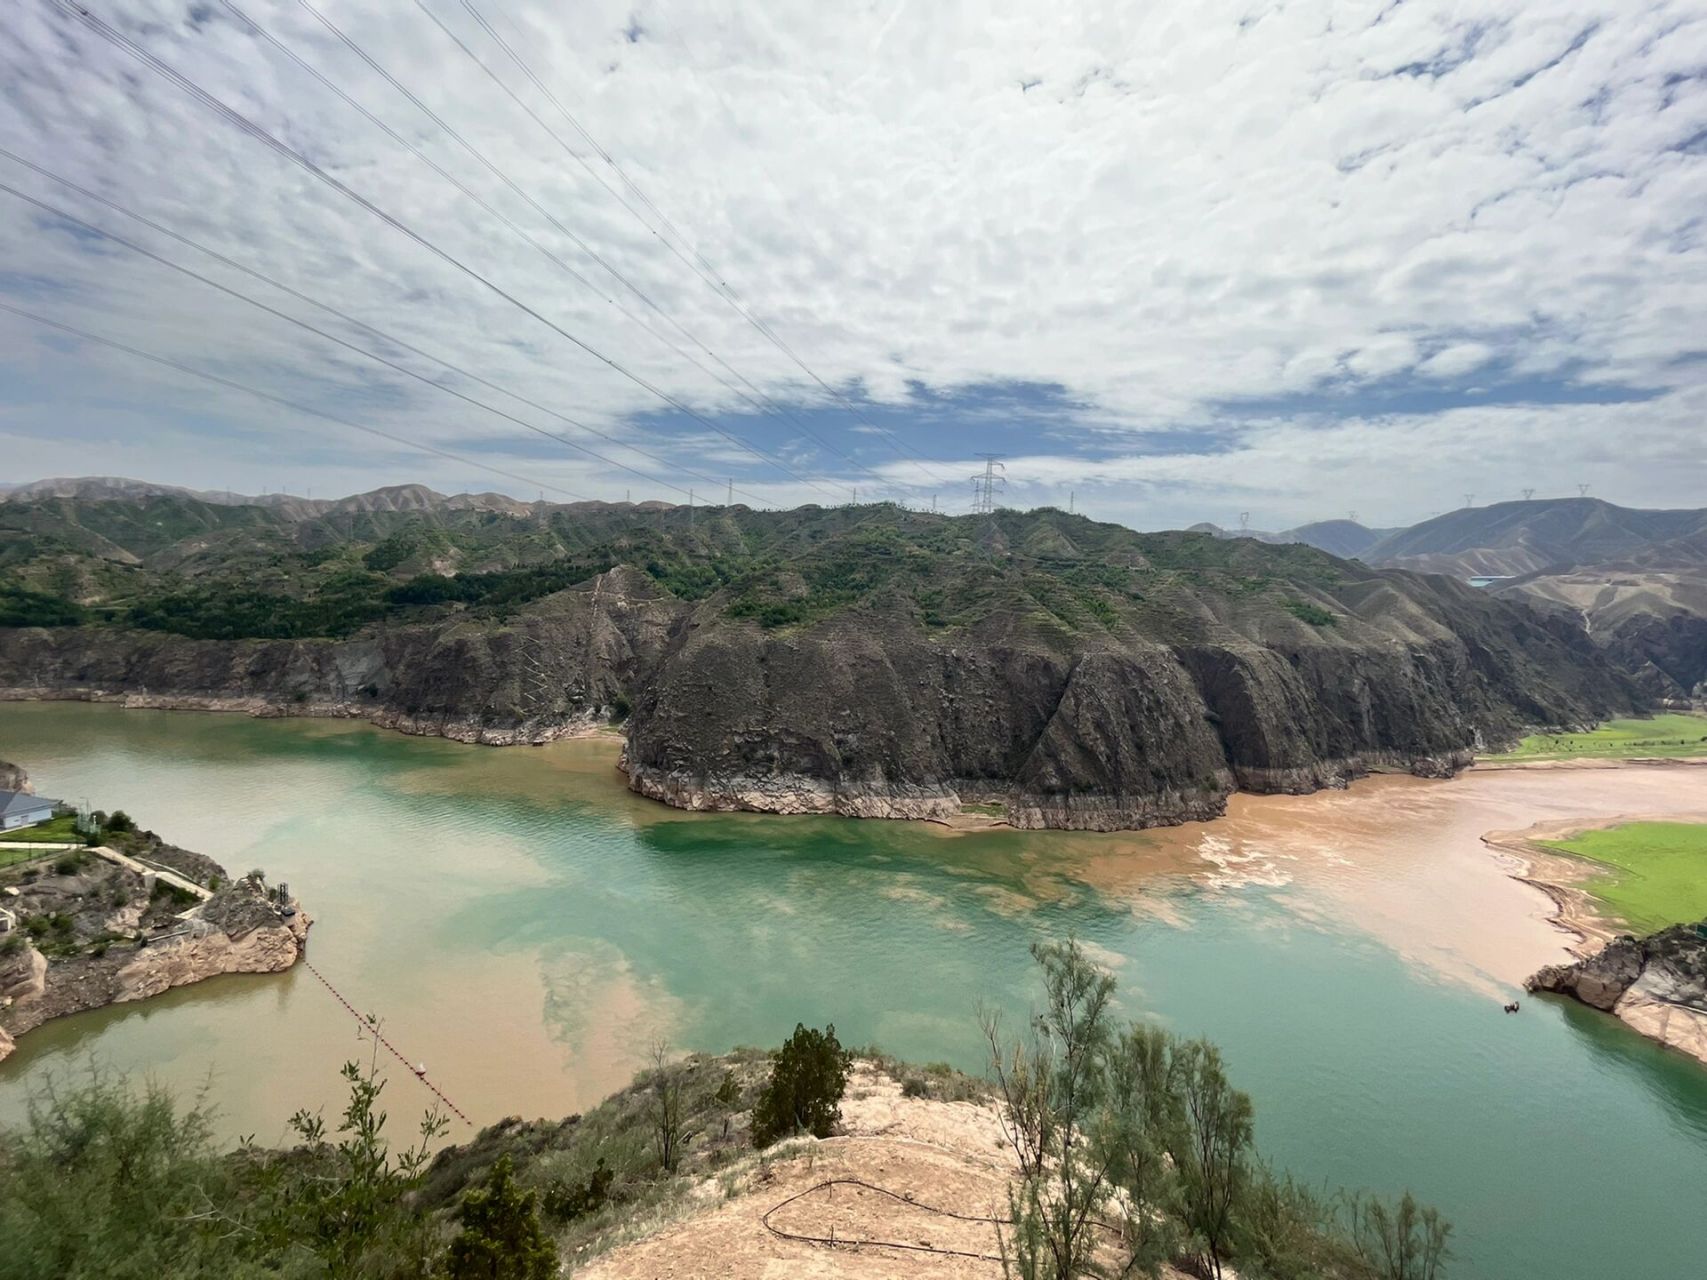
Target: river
[{"x": 526, "y": 926}]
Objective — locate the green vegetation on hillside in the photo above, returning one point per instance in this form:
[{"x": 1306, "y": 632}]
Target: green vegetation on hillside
[
  {"x": 1655, "y": 873},
  {"x": 221, "y": 573},
  {"x": 1672, "y": 735}
]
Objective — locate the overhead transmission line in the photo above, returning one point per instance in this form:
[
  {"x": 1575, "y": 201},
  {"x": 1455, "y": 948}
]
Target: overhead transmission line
[
  {"x": 92, "y": 229},
  {"x": 348, "y": 319},
  {"x": 293, "y": 405},
  {"x": 126, "y": 45},
  {"x": 502, "y": 217},
  {"x": 757, "y": 398},
  {"x": 701, "y": 267}
]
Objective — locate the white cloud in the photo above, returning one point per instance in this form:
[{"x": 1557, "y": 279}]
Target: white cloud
[
  {"x": 1456, "y": 360},
  {"x": 1193, "y": 204}
]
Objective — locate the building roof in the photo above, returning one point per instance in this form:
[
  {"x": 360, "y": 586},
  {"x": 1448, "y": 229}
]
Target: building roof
[{"x": 19, "y": 802}]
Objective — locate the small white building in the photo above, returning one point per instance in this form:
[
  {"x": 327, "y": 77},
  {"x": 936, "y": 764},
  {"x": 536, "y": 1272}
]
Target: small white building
[
  {"x": 20, "y": 810},
  {"x": 8, "y": 921}
]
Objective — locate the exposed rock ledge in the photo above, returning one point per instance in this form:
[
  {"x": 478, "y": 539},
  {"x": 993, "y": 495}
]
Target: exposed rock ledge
[
  {"x": 796, "y": 793},
  {"x": 1657, "y": 984},
  {"x": 242, "y": 928}
]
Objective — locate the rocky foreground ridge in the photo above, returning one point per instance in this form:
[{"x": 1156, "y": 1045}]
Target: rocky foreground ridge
[
  {"x": 94, "y": 927},
  {"x": 865, "y": 661},
  {"x": 1657, "y": 984}
]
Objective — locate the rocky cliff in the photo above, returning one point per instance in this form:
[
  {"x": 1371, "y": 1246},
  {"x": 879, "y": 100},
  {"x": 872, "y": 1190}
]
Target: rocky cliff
[
  {"x": 13, "y": 778},
  {"x": 1657, "y": 984},
  {"x": 865, "y": 661},
  {"x": 98, "y": 927}
]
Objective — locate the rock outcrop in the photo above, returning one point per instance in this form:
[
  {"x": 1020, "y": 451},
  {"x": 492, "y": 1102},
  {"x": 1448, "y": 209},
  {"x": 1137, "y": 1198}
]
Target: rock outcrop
[
  {"x": 239, "y": 930},
  {"x": 101, "y": 928},
  {"x": 1657, "y": 984}
]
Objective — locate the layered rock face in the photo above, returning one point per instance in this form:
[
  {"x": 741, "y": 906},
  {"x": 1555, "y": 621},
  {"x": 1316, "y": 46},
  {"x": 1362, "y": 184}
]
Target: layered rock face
[
  {"x": 877, "y": 663},
  {"x": 1657, "y": 984},
  {"x": 563, "y": 666},
  {"x": 871, "y": 714}
]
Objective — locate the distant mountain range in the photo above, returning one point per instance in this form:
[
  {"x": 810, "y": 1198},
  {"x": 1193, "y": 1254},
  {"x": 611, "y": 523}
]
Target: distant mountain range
[
  {"x": 1509, "y": 539},
  {"x": 1634, "y": 579},
  {"x": 1512, "y": 538},
  {"x": 1344, "y": 538}
]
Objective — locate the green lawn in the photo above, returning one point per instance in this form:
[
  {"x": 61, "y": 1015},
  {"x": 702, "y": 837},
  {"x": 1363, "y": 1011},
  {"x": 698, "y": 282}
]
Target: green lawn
[
  {"x": 1674, "y": 734},
  {"x": 1655, "y": 872},
  {"x": 11, "y": 855},
  {"x": 60, "y": 829}
]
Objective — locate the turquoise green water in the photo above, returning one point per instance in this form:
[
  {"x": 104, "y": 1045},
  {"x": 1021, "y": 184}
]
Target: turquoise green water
[{"x": 526, "y": 927}]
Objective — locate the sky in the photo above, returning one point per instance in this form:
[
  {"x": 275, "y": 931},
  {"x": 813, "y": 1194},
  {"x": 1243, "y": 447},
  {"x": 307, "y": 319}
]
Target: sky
[{"x": 1171, "y": 261}]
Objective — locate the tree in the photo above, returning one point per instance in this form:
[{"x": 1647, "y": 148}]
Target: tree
[
  {"x": 665, "y": 1083},
  {"x": 808, "y": 1076},
  {"x": 1213, "y": 1149},
  {"x": 1053, "y": 1083},
  {"x": 1406, "y": 1241},
  {"x": 501, "y": 1238},
  {"x": 1141, "y": 1121}
]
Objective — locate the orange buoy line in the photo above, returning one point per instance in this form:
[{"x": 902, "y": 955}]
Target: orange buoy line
[{"x": 372, "y": 1027}]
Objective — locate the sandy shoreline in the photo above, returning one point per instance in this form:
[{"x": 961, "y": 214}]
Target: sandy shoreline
[
  {"x": 1561, "y": 876},
  {"x": 1576, "y": 911}
]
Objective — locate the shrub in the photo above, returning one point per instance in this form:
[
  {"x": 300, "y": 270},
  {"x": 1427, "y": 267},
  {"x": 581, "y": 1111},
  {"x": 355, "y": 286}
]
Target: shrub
[
  {"x": 580, "y": 1197},
  {"x": 69, "y": 865},
  {"x": 808, "y": 1076},
  {"x": 1314, "y": 614},
  {"x": 501, "y": 1238},
  {"x": 120, "y": 821}
]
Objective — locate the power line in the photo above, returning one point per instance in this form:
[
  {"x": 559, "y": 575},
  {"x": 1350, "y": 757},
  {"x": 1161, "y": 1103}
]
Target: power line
[
  {"x": 381, "y": 334},
  {"x": 350, "y": 347},
  {"x": 292, "y": 405},
  {"x": 123, "y": 43},
  {"x": 702, "y": 268},
  {"x": 333, "y": 338},
  {"x": 350, "y": 43}
]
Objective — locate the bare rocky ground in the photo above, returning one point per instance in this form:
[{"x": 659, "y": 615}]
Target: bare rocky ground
[{"x": 914, "y": 1155}]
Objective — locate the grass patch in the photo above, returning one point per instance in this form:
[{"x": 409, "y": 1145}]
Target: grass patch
[
  {"x": 60, "y": 830},
  {"x": 992, "y": 810},
  {"x": 15, "y": 857},
  {"x": 1674, "y": 735},
  {"x": 1656, "y": 872},
  {"x": 1313, "y": 614}
]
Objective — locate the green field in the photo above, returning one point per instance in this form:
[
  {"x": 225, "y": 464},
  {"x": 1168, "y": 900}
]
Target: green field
[
  {"x": 1655, "y": 872},
  {"x": 1674, "y": 734},
  {"x": 62, "y": 829}
]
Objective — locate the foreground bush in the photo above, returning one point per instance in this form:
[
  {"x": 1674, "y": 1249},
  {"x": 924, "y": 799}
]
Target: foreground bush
[
  {"x": 808, "y": 1076},
  {"x": 1135, "y": 1150}
]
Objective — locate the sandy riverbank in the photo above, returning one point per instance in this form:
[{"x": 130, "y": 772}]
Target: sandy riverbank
[{"x": 1578, "y": 912}]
